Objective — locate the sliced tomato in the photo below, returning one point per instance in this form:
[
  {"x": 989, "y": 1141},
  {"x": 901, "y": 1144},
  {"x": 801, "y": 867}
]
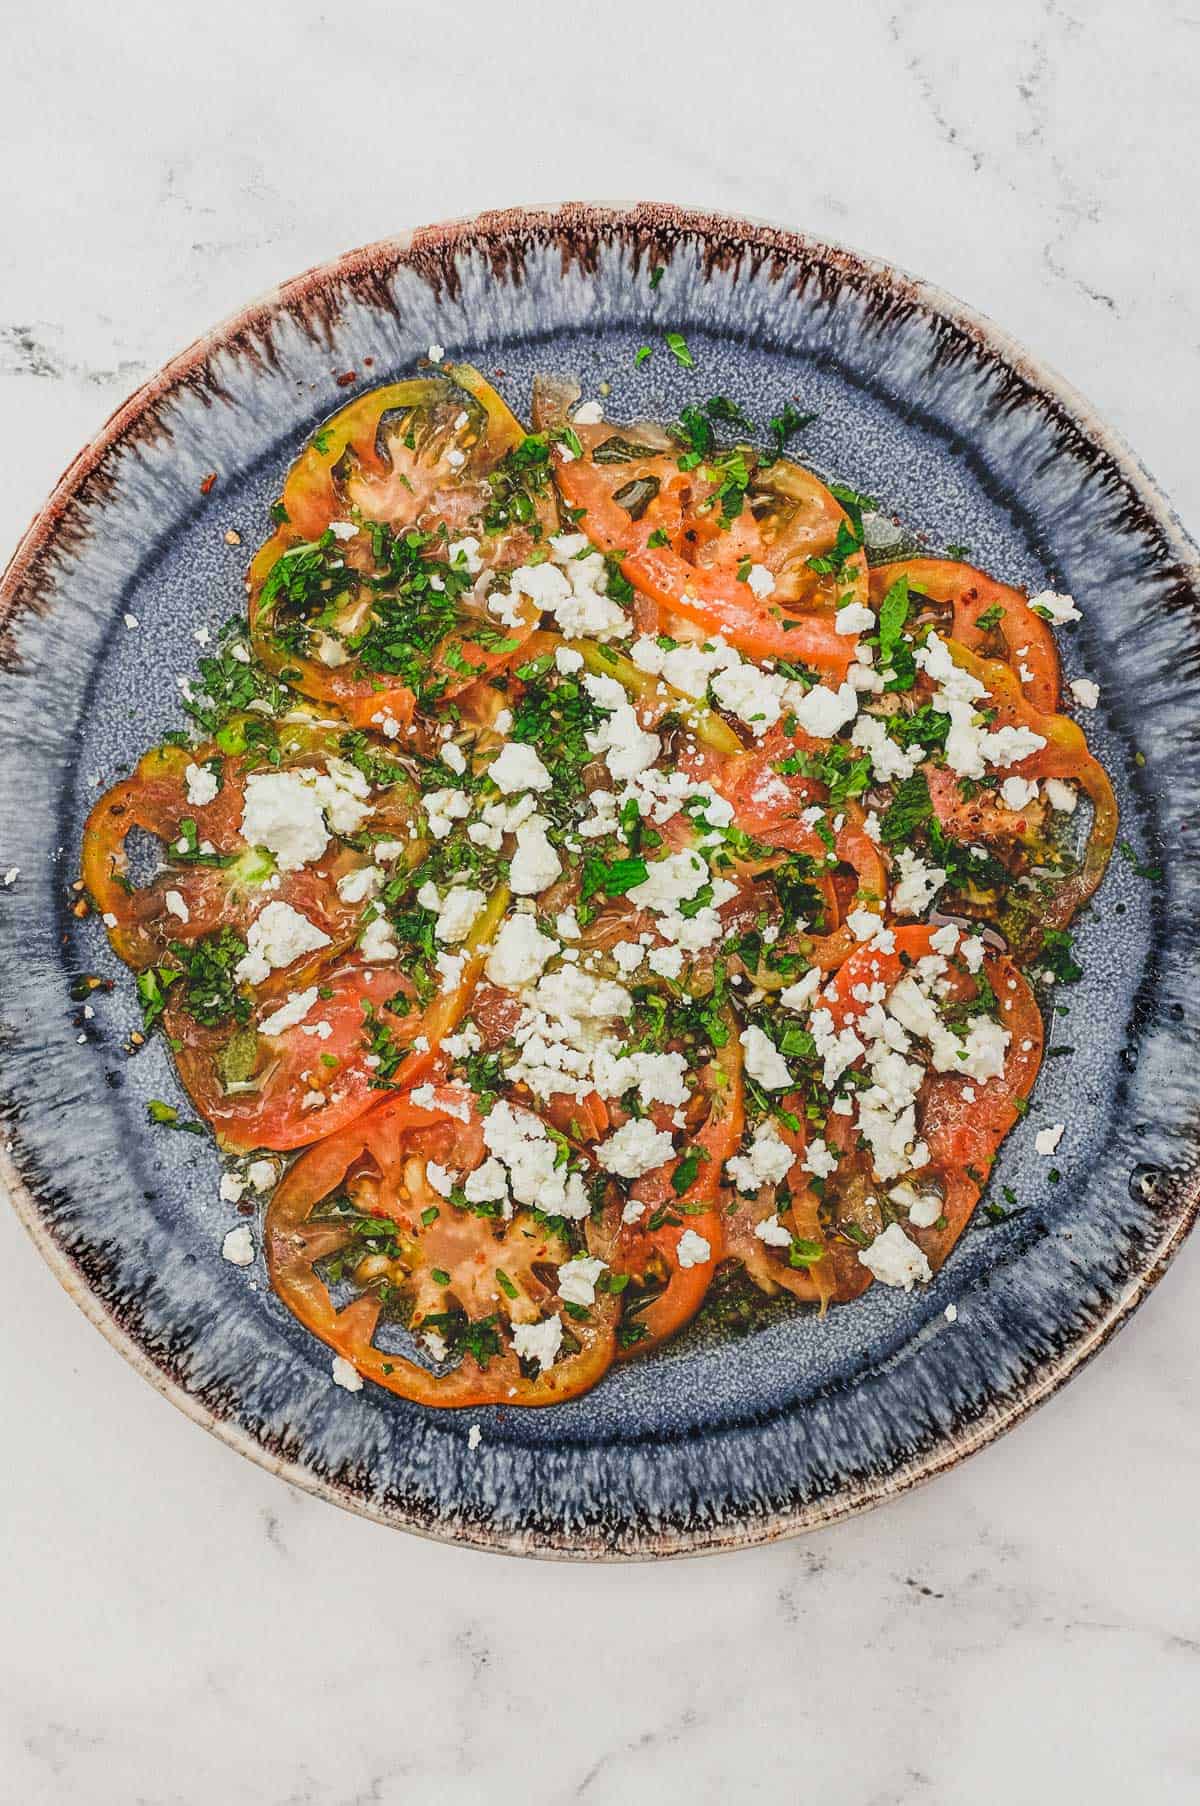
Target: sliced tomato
[
  {"x": 195, "y": 892},
  {"x": 1065, "y": 755},
  {"x": 447, "y": 1267},
  {"x": 663, "y": 1295},
  {"x": 789, "y": 519},
  {"x": 288, "y": 1089},
  {"x": 414, "y": 458},
  {"x": 832, "y": 1276},
  {"x": 1027, "y": 641},
  {"x": 964, "y": 1135}
]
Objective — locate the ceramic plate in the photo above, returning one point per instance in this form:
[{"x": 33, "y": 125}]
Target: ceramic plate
[{"x": 711, "y": 1444}]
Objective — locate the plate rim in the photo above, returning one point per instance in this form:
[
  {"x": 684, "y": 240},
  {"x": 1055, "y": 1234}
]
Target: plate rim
[{"x": 248, "y": 329}]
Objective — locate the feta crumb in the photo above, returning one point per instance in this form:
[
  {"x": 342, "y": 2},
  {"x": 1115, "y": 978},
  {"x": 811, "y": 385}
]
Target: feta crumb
[
  {"x": 761, "y": 581},
  {"x": 520, "y": 952},
  {"x": 278, "y": 935},
  {"x": 517, "y": 767},
  {"x": 290, "y": 1013},
  {"x": 474, "y": 1434},
  {"x": 538, "y": 1342},
  {"x": 436, "y": 353},
  {"x": 261, "y": 1174},
  {"x": 588, "y": 413},
  {"x": 1017, "y": 793},
  {"x": 231, "y": 1188},
  {"x": 894, "y": 1260},
  {"x": 1085, "y": 692},
  {"x": 238, "y": 1247},
  {"x": 764, "y": 1062},
  {"x": 176, "y": 906},
  {"x": 855, "y": 617},
  {"x": 346, "y": 1375},
  {"x": 637, "y": 1147},
  {"x": 772, "y": 1232},
  {"x": 692, "y": 1250},
  {"x": 1047, "y": 1140},
  {"x": 1055, "y": 608},
  {"x": 11, "y": 876},
  {"x": 535, "y": 864},
  {"x": 577, "y": 1279},
  {"x": 201, "y": 785},
  {"x": 1061, "y": 796},
  {"x": 378, "y": 942}
]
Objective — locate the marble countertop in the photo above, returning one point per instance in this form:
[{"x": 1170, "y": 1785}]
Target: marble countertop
[{"x": 180, "y": 1628}]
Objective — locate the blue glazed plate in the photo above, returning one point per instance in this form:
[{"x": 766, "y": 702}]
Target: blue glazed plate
[{"x": 711, "y": 1444}]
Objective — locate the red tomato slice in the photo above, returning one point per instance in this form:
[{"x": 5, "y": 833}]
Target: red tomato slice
[
  {"x": 1027, "y": 640},
  {"x": 286, "y": 1070},
  {"x": 442, "y": 1258}
]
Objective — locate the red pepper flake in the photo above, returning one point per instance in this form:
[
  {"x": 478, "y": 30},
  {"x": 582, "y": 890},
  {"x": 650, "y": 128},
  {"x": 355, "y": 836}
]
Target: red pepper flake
[
  {"x": 206, "y": 483},
  {"x": 369, "y": 362},
  {"x": 346, "y": 378}
]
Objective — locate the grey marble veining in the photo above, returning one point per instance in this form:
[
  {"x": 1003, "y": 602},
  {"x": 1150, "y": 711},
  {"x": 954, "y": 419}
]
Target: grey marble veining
[{"x": 179, "y": 1626}]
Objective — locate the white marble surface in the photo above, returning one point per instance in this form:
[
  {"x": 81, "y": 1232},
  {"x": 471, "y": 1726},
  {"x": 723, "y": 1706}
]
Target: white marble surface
[{"x": 180, "y": 1629}]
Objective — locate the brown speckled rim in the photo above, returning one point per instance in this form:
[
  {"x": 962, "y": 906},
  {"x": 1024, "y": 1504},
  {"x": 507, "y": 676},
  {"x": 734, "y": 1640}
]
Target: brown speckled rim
[{"x": 650, "y": 230}]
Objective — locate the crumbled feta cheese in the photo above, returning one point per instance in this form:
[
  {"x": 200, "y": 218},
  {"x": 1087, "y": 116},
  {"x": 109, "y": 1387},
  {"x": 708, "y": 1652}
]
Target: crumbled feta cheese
[
  {"x": 764, "y": 1063},
  {"x": 346, "y": 1374},
  {"x": 442, "y": 809},
  {"x": 667, "y": 962},
  {"x": 1061, "y": 796},
  {"x": 535, "y": 864},
  {"x": 278, "y": 935},
  {"x": 261, "y": 1174},
  {"x": 772, "y": 1232},
  {"x": 238, "y": 1247},
  {"x": 436, "y": 353},
  {"x": 488, "y": 1184},
  {"x": 231, "y": 1188},
  {"x": 588, "y": 413},
  {"x": 457, "y": 911},
  {"x": 288, "y": 1014},
  {"x": 517, "y": 767},
  {"x": 1017, "y": 793},
  {"x": 465, "y": 554},
  {"x": 378, "y": 942},
  {"x": 919, "y": 884},
  {"x": 895, "y": 1260},
  {"x": 577, "y": 1279},
  {"x": 286, "y": 811},
  {"x": 692, "y": 1250},
  {"x": 761, "y": 581},
  {"x": 538, "y": 1342},
  {"x": 357, "y": 886},
  {"x": 1055, "y": 608},
  {"x": 637, "y": 1147},
  {"x": 522, "y": 1144},
  {"x": 855, "y": 617},
  {"x": 567, "y": 660},
  {"x": 1085, "y": 692},
  {"x": 176, "y": 906},
  {"x": 1047, "y": 1140},
  {"x": 520, "y": 952},
  {"x": 767, "y": 1161},
  {"x": 474, "y": 1434},
  {"x": 821, "y": 712},
  {"x": 201, "y": 785},
  {"x": 798, "y": 997}
]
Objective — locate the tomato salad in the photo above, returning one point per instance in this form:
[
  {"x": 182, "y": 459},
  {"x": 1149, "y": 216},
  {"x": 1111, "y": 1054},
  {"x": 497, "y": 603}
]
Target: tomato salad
[{"x": 620, "y": 892}]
